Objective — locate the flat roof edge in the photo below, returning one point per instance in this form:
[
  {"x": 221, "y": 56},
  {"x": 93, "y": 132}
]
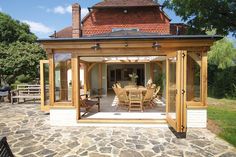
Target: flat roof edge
[{"x": 179, "y": 37}]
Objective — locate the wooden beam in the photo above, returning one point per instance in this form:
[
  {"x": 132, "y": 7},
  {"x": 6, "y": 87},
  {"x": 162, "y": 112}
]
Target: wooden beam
[
  {"x": 51, "y": 78},
  {"x": 196, "y": 58},
  {"x": 204, "y": 79},
  {"x": 44, "y": 105},
  {"x": 91, "y": 66},
  {"x": 174, "y": 43},
  {"x": 159, "y": 64}
]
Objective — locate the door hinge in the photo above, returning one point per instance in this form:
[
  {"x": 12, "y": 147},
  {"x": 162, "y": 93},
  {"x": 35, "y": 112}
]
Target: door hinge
[
  {"x": 183, "y": 91},
  {"x": 182, "y": 127},
  {"x": 183, "y": 55}
]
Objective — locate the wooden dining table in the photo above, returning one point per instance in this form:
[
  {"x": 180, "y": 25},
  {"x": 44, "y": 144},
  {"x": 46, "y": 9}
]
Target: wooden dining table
[{"x": 139, "y": 88}]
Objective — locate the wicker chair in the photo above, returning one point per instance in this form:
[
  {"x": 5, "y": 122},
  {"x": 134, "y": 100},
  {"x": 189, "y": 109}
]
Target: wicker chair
[
  {"x": 155, "y": 95},
  {"x": 148, "y": 97},
  {"x": 135, "y": 100},
  {"x": 121, "y": 94}
]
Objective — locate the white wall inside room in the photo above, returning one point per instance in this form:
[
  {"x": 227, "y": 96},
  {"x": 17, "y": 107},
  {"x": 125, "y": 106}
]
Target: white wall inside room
[{"x": 82, "y": 76}]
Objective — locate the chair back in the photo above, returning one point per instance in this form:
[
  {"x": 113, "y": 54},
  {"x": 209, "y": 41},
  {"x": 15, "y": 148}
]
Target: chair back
[
  {"x": 135, "y": 95},
  {"x": 149, "y": 94},
  {"x": 122, "y": 95},
  {"x": 82, "y": 102},
  {"x": 156, "y": 92},
  {"x": 118, "y": 85},
  {"x": 115, "y": 89}
]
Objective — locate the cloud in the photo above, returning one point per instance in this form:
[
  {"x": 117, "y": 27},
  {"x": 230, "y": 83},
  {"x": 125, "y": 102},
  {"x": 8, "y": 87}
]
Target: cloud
[
  {"x": 66, "y": 9},
  {"x": 60, "y": 9},
  {"x": 37, "y": 27}
]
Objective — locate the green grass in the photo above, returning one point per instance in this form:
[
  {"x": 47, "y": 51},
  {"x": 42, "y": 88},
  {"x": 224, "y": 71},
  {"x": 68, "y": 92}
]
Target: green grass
[{"x": 223, "y": 113}]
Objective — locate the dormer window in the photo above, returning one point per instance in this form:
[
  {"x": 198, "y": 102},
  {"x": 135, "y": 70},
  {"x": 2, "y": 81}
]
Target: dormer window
[{"x": 125, "y": 29}]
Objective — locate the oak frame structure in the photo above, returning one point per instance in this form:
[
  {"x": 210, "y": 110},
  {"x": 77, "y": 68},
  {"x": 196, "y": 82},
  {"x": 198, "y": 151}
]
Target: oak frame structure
[{"x": 178, "y": 46}]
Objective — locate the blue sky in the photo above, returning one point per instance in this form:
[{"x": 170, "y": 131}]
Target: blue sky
[{"x": 45, "y": 16}]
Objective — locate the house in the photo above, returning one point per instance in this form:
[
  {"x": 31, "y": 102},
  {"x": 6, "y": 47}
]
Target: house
[{"x": 115, "y": 39}]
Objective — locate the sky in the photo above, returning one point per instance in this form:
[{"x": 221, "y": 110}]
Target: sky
[{"x": 47, "y": 16}]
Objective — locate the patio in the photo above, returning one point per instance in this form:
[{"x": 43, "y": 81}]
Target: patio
[{"x": 30, "y": 134}]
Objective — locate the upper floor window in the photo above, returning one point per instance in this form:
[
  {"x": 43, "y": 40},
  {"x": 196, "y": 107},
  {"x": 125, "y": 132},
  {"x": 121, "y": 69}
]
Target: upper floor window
[{"x": 124, "y": 29}]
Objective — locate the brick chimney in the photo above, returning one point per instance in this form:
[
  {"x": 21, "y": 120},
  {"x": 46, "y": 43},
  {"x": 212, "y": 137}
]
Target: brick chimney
[{"x": 76, "y": 20}]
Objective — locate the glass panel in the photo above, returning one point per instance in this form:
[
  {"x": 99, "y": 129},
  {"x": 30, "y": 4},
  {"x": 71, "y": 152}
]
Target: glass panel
[
  {"x": 63, "y": 77},
  {"x": 172, "y": 88},
  {"x": 118, "y": 74},
  {"x": 46, "y": 83},
  {"x": 193, "y": 77}
]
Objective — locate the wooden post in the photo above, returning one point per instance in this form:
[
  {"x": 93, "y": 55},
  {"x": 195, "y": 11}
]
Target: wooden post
[
  {"x": 51, "y": 77},
  {"x": 76, "y": 83},
  {"x": 204, "y": 79}
]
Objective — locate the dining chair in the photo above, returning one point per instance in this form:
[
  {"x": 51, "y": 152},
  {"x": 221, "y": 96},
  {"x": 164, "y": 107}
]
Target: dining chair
[
  {"x": 148, "y": 97},
  {"x": 155, "y": 95},
  {"x": 122, "y": 96},
  {"x": 135, "y": 100}
]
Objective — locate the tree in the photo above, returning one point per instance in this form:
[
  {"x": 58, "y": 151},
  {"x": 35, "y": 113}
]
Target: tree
[
  {"x": 222, "y": 54},
  {"x": 13, "y": 30},
  {"x": 202, "y": 15},
  {"x": 19, "y": 54},
  {"x": 20, "y": 58}
]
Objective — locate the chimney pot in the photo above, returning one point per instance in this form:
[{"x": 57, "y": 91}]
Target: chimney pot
[{"x": 76, "y": 20}]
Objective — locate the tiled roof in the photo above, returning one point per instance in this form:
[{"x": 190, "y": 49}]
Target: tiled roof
[
  {"x": 125, "y": 3},
  {"x": 64, "y": 33}
]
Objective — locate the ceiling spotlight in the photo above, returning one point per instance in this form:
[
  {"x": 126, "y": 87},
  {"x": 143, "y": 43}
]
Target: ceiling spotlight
[
  {"x": 96, "y": 46},
  {"x": 156, "y": 45},
  {"x": 126, "y": 44},
  {"x": 125, "y": 11}
]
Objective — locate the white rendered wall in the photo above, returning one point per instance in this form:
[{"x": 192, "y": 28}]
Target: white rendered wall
[
  {"x": 63, "y": 117},
  {"x": 196, "y": 118}
]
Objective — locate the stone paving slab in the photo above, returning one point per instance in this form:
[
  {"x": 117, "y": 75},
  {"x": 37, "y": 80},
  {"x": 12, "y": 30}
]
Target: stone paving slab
[{"x": 29, "y": 134}]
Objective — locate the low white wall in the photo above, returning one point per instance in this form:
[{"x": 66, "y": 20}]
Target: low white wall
[
  {"x": 196, "y": 118},
  {"x": 63, "y": 117}
]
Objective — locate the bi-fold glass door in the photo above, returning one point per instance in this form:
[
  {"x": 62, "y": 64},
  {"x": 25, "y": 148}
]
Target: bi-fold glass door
[
  {"x": 176, "y": 90},
  {"x": 44, "y": 84}
]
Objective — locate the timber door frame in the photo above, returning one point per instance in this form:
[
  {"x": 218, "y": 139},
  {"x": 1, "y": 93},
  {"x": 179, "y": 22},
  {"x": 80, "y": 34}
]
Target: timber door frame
[
  {"x": 179, "y": 123},
  {"x": 44, "y": 107}
]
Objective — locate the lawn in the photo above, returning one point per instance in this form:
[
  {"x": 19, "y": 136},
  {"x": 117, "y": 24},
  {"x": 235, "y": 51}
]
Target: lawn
[{"x": 222, "y": 113}]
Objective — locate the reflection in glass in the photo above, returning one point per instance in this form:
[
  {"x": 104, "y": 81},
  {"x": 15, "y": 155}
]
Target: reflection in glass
[
  {"x": 63, "y": 77},
  {"x": 172, "y": 87},
  {"x": 193, "y": 77},
  {"x": 46, "y": 83}
]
